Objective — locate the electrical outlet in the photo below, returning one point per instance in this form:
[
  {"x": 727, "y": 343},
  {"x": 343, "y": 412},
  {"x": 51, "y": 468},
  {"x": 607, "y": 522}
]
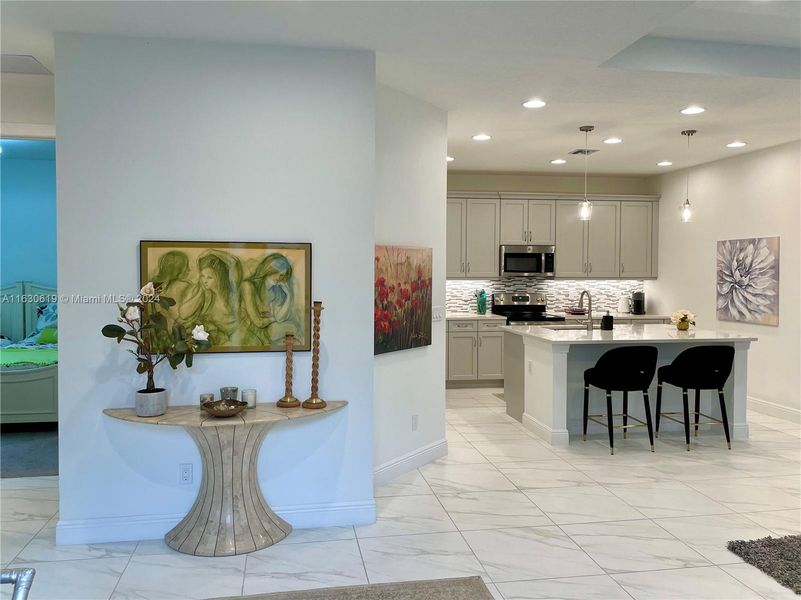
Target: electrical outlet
[
  {"x": 185, "y": 475},
  {"x": 415, "y": 419},
  {"x": 438, "y": 313}
]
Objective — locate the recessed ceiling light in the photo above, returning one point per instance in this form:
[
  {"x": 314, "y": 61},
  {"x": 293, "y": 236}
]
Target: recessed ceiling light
[
  {"x": 736, "y": 145},
  {"x": 534, "y": 103},
  {"x": 692, "y": 110},
  {"x": 558, "y": 161},
  {"x": 612, "y": 140},
  {"x": 664, "y": 163},
  {"x": 449, "y": 159},
  {"x": 482, "y": 137}
]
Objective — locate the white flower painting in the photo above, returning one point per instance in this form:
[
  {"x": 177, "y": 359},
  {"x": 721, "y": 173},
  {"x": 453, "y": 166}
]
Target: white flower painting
[{"x": 748, "y": 280}]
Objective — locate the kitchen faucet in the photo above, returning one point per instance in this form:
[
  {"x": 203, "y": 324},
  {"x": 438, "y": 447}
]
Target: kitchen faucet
[{"x": 589, "y": 308}]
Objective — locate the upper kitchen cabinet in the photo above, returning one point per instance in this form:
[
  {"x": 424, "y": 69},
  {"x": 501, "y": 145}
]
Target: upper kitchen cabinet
[
  {"x": 571, "y": 252},
  {"x": 527, "y": 221},
  {"x": 603, "y": 240},
  {"x": 636, "y": 239},
  {"x": 454, "y": 240},
  {"x": 473, "y": 237}
]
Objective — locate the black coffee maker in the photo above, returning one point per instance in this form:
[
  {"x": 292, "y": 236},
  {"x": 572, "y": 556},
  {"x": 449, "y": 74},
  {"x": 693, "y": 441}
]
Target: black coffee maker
[{"x": 638, "y": 303}]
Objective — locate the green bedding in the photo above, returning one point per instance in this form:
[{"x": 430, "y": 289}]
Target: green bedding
[{"x": 27, "y": 358}]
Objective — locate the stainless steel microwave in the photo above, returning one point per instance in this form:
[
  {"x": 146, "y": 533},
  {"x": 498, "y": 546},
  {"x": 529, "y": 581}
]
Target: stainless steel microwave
[{"x": 528, "y": 261}]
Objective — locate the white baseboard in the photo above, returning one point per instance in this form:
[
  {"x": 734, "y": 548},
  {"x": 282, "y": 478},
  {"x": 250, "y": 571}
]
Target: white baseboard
[
  {"x": 554, "y": 437},
  {"x": 774, "y": 410},
  {"x": 411, "y": 460},
  {"x": 151, "y": 527}
]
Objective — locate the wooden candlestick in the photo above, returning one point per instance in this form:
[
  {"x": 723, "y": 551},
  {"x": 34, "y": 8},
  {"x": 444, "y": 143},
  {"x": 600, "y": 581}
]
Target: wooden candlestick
[
  {"x": 314, "y": 400},
  {"x": 288, "y": 401}
]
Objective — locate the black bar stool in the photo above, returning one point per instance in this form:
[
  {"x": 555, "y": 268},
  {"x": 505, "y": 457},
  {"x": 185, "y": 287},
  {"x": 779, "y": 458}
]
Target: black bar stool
[
  {"x": 698, "y": 368},
  {"x": 626, "y": 369}
]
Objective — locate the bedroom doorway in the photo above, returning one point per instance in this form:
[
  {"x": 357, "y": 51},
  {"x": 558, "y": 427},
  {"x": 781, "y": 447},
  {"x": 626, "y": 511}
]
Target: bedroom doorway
[{"x": 29, "y": 314}]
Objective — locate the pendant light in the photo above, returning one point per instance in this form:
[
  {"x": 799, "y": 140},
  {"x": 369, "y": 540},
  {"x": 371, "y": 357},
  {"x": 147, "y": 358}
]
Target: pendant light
[
  {"x": 686, "y": 209},
  {"x": 585, "y": 206}
]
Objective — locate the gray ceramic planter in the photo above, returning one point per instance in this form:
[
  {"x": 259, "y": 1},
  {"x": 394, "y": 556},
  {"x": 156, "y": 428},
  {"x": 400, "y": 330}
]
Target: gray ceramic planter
[{"x": 152, "y": 404}]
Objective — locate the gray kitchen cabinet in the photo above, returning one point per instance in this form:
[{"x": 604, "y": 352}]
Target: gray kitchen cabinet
[
  {"x": 636, "y": 243},
  {"x": 570, "y": 241},
  {"x": 603, "y": 240},
  {"x": 462, "y": 356},
  {"x": 514, "y": 221},
  {"x": 526, "y": 221},
  {"x": 482, "y": 238},
  {"x": 490, "y": 355},
  {"x": 542, "y": 222},
  {"x": 455, "y": 263}
]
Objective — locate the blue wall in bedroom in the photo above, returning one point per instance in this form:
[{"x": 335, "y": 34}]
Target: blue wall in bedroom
[{"x": 28, "y": 212}]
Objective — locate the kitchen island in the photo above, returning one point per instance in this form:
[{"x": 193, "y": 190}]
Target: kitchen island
[{"x": 544, "y": 375}]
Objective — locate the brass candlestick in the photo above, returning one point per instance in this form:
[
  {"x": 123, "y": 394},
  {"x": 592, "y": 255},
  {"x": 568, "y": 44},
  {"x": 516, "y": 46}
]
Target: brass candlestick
[
  {"x": 288, "y": 401},
  {"x": 314, "y": 400}
]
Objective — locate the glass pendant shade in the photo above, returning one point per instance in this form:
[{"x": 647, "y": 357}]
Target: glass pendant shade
[
  {"x": 686, "y": 211},
  {"x": 585, "y": 210}
]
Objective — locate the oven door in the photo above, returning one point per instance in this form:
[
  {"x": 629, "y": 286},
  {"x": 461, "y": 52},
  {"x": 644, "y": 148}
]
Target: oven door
[{"x": 527, "y": 261}]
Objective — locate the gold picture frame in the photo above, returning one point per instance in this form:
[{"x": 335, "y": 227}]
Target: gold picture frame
[{"x": 247, "y": 295}]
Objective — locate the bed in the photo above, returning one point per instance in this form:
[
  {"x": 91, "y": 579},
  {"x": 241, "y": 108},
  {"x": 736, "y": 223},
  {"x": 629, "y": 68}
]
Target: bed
[{"x": 29, "y": 354}]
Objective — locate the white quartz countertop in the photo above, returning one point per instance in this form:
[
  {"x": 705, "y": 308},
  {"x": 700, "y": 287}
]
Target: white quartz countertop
[
  {"x": 626, "y": 334},
  {"x": 466, "y": 316},
  {"x": 616, "y": 315}
]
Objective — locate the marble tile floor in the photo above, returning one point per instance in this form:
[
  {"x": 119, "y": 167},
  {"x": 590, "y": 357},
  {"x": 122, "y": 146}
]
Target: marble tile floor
[{"x": 533, "y": 521}]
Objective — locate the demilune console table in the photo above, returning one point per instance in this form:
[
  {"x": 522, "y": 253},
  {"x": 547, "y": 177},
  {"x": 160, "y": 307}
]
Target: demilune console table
[{"x": 230, "y": 515}]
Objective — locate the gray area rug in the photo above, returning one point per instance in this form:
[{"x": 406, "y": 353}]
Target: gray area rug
[
  {"x": 464, "y": 588},
  {"x": 778, "y": 557},
  {"x": 29, "y": 453}
]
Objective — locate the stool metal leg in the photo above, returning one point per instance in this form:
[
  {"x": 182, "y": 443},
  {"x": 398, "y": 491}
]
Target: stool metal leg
[
  {"x": 658, "y": 405},
  {"x": 648, "y": 418},
  {"x": 697, "y": 410},
  {"x": 586, "y": 409},
  {"x": 625, "y": 414},
  {"x": 725, "y": 417},
  {"x": 609, "y": 422},
  {"x": 686, "y": 403}
]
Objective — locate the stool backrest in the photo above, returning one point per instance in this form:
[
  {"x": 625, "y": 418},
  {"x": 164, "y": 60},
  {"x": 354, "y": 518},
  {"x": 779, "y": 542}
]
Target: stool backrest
[
  {"x": 627, "y": 368},
  {"x": 704, "y": 367}
]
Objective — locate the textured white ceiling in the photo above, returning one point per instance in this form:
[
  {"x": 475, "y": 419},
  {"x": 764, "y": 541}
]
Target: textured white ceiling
[{"x": 480, "y": 60}]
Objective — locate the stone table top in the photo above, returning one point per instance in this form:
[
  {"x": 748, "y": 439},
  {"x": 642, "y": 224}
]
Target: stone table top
[{"x": 193, "y": 416}]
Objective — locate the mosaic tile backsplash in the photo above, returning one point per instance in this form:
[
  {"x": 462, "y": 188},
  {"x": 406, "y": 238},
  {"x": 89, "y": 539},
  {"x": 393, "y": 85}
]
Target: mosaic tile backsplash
[{"x": 559, "y": 292}]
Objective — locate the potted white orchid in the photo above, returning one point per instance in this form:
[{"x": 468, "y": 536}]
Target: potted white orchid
[
  {"x": 143, "y": 324},
  {"x": 682, "y": 319}
]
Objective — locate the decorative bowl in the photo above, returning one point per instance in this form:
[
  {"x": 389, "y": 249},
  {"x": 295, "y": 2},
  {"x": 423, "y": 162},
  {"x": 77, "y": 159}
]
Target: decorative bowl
[{"x": 224, "y": 408}]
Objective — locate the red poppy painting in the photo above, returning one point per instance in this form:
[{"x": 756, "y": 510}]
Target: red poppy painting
[{"x": 402, "y": 311}]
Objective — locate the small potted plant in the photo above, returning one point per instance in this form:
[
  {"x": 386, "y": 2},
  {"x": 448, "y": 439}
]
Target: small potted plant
[
  {"x": 144, "y": 324},
  {"x": 682, "y": 319}
]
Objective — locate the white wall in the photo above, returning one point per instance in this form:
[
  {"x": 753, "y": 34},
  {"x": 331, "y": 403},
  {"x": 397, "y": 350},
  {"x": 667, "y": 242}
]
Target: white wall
[
  {"x": 411, "y": 143},
  {"x": 199, "y": 141},
  {"x": 752, "y": 195}
]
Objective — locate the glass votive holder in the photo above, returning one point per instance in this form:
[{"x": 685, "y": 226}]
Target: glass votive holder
[
  {"x": 249, "y": 396},
  {"x": 204, "y": 398},
  {"x": 229, "y": 393}
]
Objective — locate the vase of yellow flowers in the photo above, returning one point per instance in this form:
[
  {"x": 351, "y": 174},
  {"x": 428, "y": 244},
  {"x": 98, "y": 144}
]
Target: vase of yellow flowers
[
  {"x": 144, "y": 324},
  {"x": 682, "y": 319}
]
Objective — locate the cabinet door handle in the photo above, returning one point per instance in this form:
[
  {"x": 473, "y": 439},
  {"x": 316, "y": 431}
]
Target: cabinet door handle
[
  {"x": 585, "y": 268},
  {"x": 590, "y": 267},
  {"x": 461, "y": 269},
  {"x": 622, "y": 268},
  {"x": 474, "y": 342},
  {"x": 468, "y": 267},
  {"x": 479, "y": 342}
]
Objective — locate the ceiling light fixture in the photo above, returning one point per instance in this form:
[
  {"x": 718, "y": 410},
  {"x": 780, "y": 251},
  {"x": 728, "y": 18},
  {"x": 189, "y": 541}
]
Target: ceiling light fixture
[
  {"x": 482, "y": 137},
  {"x": 612, "y": 140},
  {"x": 664, "y": 163},
  {"x": 449, "y": 159},
  {"x": 686, "y": 209},
  {"x": 558, "y": 161},
  {"x": 585, "y": 206},
  {"x": 692, "y": 110},
  {"x": 736, "y": 144},
  {"x": 534, "y": 103}
]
